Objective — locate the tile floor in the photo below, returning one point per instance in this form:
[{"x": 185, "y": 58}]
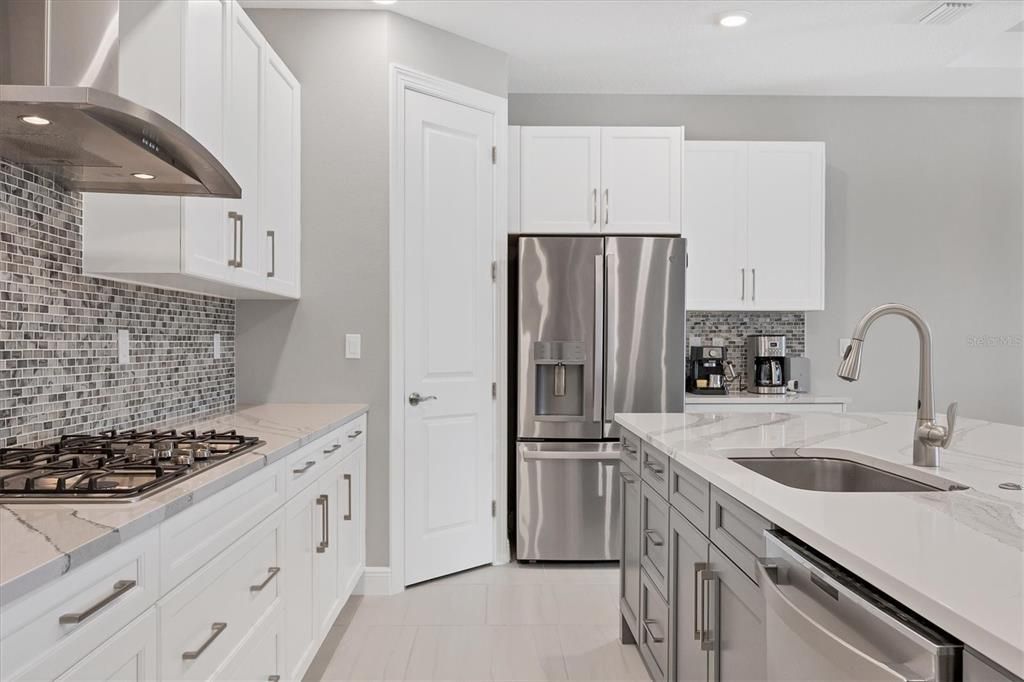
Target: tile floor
[{"x": 512, "y": 622}]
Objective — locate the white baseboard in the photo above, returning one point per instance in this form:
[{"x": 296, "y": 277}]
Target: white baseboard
[{"x": 376, "y": 580}]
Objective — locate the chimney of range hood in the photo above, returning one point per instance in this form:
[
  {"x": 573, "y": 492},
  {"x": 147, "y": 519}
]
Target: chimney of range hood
[{"x": 59, "y": 64}]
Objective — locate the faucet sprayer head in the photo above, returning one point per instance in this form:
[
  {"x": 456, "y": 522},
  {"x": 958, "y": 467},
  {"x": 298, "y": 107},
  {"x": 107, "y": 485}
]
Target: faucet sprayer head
[{"x": 849, "y": 367}]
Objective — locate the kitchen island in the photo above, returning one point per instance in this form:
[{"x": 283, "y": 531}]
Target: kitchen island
[{"x": 955, "y": 558}]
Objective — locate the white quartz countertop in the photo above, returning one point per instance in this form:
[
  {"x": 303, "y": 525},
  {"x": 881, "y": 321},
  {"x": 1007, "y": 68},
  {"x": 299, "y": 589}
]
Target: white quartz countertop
[
  {"x": 41, "y": 542},
  {"x": 955, "y": 558},
  {"x": 757, "y": 399}
]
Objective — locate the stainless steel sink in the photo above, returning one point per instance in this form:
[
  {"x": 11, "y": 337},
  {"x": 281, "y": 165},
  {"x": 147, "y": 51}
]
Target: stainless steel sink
[{"x": 832, "y": 474}]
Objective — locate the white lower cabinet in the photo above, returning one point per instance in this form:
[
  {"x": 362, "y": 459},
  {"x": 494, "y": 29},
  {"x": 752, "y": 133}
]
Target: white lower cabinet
[{"x": 242, "y": 586}]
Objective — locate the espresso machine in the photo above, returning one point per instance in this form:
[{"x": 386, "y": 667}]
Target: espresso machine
[
  {"x": 766, "y": 355},
  {"x": 706, "y": 371}
]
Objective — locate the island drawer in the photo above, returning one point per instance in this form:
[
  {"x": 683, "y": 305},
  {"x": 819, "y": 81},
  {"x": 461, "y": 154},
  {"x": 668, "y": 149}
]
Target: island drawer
[
  {"x": 690, "y": 495},
  {"x": 630, "y": 453},
  {"x": 653, "y": 641},
  {"x": 738, "y": 531},
  {"x": 654, "y": 524},
  {"x": 51, "y": 629},
  {"x": 654, "y": 469}
]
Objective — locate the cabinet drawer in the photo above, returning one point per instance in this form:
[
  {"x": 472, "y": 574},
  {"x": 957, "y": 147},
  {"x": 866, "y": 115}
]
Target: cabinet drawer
[
  {"x": 94, "y": 601},
  {"x": 689, "y": 494},
  {"x": 630, "y": 453},
  {"x": 260, "y": 656},
  {"x": 306, "y": 464},
  {"x": 654, "y": 523},
  {"x": 738, "y": 531},
  {"x": 352, "y": 435},
  {"x": 654, "y": 469},
  {"x": 189, "y": 540},
  {"x": 653, "y": 640},
  {"x": 204, "y": 619}
]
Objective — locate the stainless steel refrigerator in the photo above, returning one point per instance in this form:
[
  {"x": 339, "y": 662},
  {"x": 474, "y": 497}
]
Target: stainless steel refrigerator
[{"x": 601, "y": 329}]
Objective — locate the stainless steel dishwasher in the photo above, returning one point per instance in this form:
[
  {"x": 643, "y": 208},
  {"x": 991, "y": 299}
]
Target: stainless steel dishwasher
[{"x": 824, "y": 624}]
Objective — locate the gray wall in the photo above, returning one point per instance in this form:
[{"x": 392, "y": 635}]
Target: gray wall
[
  {"x": 924, "y": 207},
  {"x": 294, "y": 351}
]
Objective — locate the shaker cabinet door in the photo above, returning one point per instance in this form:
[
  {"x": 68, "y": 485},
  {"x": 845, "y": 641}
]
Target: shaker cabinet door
[
  {"x": 560, "y": 169},
  {"x": 629, "y": 567},
  {"x": 735, "y": 623},
  {"x": 302, "y": 533},
  {"x": 641, "y": 180},
  {"x": 128, "y": 656},
  {"x": 688, "y": 657},
  {"x": 352, "y": 523}
]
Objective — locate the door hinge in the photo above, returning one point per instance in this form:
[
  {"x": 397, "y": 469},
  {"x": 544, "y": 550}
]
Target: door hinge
[
  {"x": 494, "y": 271},
  {"x": 494, "y": 155},
  {"x": 494, "y": 509},
  {"x": 494, "y": 389}
]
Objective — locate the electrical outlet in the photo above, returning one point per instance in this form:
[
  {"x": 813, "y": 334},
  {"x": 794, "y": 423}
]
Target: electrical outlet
[
  {"x": 122, "y": 347},
  {"x": 353, "y": 346},
  {"x": 843, "y": 344},
  {"x": 217, "y": 350}
]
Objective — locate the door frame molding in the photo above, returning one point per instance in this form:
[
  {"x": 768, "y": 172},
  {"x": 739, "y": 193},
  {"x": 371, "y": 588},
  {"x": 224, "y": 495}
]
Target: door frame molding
[{"x": 401, "y": 80}]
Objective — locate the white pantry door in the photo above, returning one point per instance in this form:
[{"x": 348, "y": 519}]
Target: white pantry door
[{"x": 449, "y": 341}]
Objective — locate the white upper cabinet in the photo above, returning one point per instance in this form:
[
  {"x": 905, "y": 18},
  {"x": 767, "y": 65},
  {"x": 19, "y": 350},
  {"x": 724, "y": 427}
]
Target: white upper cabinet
[
  {"x": 204, "y": 65},
  {"x": 617, "y": 180},
  {"x": 754, "y": 218},
  {"x": 641, "y": 179},
  {"x": 560, "y": 179}
]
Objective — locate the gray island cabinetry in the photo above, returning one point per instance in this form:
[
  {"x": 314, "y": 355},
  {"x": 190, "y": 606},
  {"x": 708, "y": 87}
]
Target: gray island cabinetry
[{"x": 689, "y": 596}]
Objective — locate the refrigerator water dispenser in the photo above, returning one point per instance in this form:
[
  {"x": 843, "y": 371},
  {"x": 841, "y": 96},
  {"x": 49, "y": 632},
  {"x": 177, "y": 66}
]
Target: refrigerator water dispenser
[{"x": 559, "y": 367}]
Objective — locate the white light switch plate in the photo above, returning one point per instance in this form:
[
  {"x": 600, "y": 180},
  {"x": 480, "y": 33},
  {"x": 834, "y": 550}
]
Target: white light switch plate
[
  {"x": 843, "y": 343},
  {"x": 353, "y": 346},
  {"x": 216, "y": 347},
  {"x": 122, "y": 347}
]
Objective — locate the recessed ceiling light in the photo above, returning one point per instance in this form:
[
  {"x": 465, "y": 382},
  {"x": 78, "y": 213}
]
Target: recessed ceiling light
[
  {"x": 143, "y": 176},
  {"x": 734, "y": 19},
  {"x": 384, "y": 2},
  {"x": 35, "y": 120}
]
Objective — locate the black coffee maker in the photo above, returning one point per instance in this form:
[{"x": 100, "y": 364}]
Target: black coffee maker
[{"x": 706, "y": 370}]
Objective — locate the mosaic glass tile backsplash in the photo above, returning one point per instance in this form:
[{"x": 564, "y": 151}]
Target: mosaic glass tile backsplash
[
  {"x": 735, "y": 326},
  {"x": 59, "y": 370}
]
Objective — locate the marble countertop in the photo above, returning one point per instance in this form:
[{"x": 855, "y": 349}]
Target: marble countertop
[
  {"x": 955, "y": 558},
  {"x": 41, "y": 542},
  {"x": 744, "y": 397}
]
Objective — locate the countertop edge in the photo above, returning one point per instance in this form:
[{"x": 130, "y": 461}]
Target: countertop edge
[
  {"x": 990, "y": 645},
  {"x": 52, "y": 569}
]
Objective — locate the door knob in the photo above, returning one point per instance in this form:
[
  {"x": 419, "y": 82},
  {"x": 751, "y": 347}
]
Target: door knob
[{"x": 416, "y": 398}]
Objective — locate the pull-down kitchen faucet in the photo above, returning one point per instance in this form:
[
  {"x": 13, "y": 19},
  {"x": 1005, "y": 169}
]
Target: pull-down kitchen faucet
[{"x": 928, "y": 436}]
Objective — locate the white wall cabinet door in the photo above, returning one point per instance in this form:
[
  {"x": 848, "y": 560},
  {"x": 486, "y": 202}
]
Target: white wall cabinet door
[
  {"x": 715, "y": 225},
  {"x": 280, "y": 172},
  {"x": 302, "y": 533},
  {"x": 128, "y": 656},
  {"x": 242, "y": 145},
  {"x": 785, "y": 219},
  {"x": 560, "y": 172},
  {"x": 641, "y": 180},
  {"x": 352, "y": 526}
]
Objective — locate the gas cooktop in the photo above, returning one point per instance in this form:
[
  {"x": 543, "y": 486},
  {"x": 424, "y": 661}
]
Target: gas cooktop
[{"x": 114, "y": 466}]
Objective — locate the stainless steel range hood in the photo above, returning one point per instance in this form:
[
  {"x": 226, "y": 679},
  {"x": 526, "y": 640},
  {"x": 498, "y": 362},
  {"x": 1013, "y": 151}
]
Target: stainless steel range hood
[{"x": 60, "y": 111}]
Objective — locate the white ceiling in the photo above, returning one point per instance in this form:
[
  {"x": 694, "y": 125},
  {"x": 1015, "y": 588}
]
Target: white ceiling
[{"x": 793, "y": 47}]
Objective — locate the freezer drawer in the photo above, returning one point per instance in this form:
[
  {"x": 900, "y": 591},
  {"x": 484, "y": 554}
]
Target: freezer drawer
[{"x": 568, "y": 501}]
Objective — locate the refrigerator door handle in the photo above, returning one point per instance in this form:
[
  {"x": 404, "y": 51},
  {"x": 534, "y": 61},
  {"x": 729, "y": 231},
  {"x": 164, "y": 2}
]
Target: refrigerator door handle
[
  {"x": 598, "y": 396},
  {"x": 609, "y": 350}
]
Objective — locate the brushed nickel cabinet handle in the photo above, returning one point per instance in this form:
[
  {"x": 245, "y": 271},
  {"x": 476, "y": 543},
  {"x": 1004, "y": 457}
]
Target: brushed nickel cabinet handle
[
  {"x": 120, "y": 587},
  {"x": 233, "y": 217},
  {"x": 323, "y": 502},
  {"x": 649, "y": 624},
  {"x": 606, "y": 211},
  {"x": 273, "y": 253},
  {"x": 333, "y": 448},
  {"x": 743, "y": 284},
  {"x": 241, "y": 240},
  {"x": 753, "y": 284},
  {"x": 698, "y": 594},
  {"x": 303, "y": 469},
  {"x": 216, "y": 630},
  {"x": 274, "y": 678},
  {"x": 355, "y": 434},
  {"x": 271, "y": 574},
  {"x": 654, "y": 537},
  {"x": 594, "y": 204},
  {"x": 707, "y": 635},
  {"x": 630, "y": 480},
  {"x": 655, "y": 469},
  {"x": 348, "y": 479}
]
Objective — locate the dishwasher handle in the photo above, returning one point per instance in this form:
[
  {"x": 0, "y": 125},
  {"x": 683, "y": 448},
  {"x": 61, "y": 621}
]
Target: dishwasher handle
[{"x": 860, "y": 665}]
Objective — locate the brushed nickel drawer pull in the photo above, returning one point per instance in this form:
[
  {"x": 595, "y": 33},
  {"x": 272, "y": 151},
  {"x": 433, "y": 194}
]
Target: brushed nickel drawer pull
[
  {"x": 698, "y": 607},
  {"x": 272, "y": 573},
  {"x": 273, "y": 253},
  {"x": 649, "y": 624},
  {"x": 333, "y": 448},
  {"x": 120, "y": 587},
  {"x": 323, "y": 502},
  {"x": 303, "y": 469},
  {"x": 216, "y": 630},
  {"x": 274, "y": 678},
  {"x": 355, "y": 434},
  {"x": 348, "y": 479},
  {"x": 627, "y": 478},
  {"x": 655, "y": 468},
  {"x": 654, "y": 537}
]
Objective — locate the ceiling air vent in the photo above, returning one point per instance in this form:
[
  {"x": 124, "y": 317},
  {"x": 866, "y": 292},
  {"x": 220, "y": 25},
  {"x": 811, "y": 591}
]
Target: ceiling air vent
[{"x": 945, "y": 12}]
